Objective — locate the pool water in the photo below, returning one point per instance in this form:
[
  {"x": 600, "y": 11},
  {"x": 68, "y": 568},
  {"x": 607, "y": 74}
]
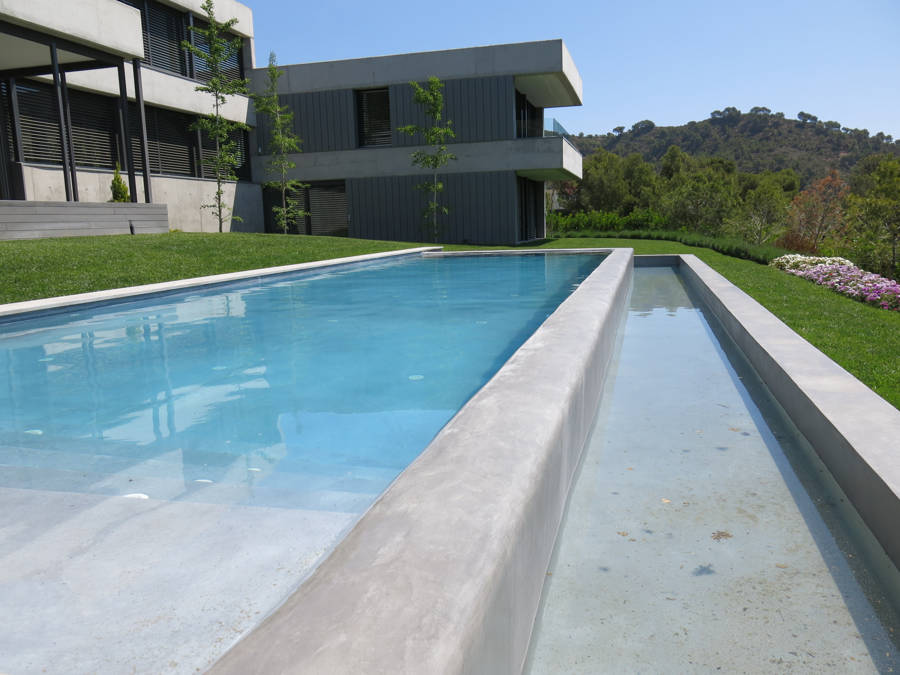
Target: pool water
[
  {"x": 310, "y": 391},
  {"x": 172, "y": 468},
  {"x": 702, "y": 533}
]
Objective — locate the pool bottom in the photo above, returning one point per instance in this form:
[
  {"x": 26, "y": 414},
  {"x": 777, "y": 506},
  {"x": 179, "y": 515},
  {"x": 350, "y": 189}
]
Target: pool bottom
[{"x": 690, "y": 543}]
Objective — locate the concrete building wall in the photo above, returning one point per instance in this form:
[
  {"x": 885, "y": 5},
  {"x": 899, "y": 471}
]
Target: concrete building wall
[
  {"x": 544, "y": 69},
  {"x": 162, "y": 89},
  {"x": 184, "y": 196},
  {"x": 104, "y": 24},
  {"x": 550, "y": 158}
]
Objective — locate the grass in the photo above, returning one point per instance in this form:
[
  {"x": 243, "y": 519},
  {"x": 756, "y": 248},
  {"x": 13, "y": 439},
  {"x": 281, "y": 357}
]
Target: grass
[
  {"x": 864, "y": 340},
  {"x": 42, "y": 268}
]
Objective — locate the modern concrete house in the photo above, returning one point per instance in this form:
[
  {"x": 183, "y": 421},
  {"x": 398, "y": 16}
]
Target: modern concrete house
[
  {"x": 357, "y": 163},
  {"x": 89, "y": 84},
  {"x": 78, "y": 78}
]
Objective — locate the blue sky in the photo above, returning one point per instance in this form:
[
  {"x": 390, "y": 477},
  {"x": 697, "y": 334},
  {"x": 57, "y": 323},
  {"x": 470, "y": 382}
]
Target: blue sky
[{"x": 670, "y": 61}]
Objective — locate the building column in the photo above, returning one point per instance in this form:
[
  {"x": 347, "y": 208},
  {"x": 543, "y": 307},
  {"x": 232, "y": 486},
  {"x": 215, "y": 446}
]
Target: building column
[
  {"x": 142, "y": 117},
  {"x": 68, "y": 168},
  {"x": 70, "y": 143},
  {"x": 124, "y": 131}
]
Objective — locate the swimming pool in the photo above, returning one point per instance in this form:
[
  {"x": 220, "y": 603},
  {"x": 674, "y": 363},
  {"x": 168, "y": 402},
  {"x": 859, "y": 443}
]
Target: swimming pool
[{"x": 223, "y": 431}]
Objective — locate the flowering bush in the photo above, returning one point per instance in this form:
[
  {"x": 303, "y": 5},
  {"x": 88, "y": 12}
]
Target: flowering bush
[
  {"x": 844, "y": 277},
  {"x": 796, "y": 261}
]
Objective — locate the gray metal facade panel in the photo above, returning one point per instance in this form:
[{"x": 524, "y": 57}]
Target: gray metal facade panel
[
  {"x": 480, "y": 108},
  {"x": 324, "y": 120},
  {"x": 482, "y": 208}
]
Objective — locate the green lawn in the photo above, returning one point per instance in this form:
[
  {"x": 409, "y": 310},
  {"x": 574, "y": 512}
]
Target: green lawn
[{"x": 862, "y": 339}]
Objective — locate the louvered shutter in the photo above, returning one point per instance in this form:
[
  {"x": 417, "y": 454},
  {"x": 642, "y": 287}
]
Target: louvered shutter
[
  {"x": 165, "y": 30},
  {"x": 93, "y": 129},
  {"x": 374, "y": 117},
  {"x": 328, "y": 209},
  {"x": 39, "y": 124}
]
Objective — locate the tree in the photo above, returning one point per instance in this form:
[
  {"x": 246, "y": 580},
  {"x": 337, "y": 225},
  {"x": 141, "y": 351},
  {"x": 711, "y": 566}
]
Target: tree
[
  {"x": 435, "y": 135},
  {"x": 642, "y": 127},
  {"x": 875, "y": 218},
  {"x": 762, "y": 215},
  {"x": 603, "y": 186},
  {"x": 819, "y": 210},
  {"x": 217, "y": 48},
  {"x": 618, "y": 131},
  {"x": 282, "y": 142}
]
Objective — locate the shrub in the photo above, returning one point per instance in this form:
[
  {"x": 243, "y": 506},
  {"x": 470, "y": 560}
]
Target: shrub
[
  {"x": 118, "y": 187},
  {"x": 844, "y": 277}
]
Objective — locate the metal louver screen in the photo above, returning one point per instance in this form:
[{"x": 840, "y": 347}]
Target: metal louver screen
[
  {"x": 242, "y": 170},
  {"x": 39, "y": 124},
  {"x": 6, "y": 117},
  {"x": 93, "y": 129},
  {"x": 171, "y": 140},
  {"x": 165, "y": 31},
  {"x": 328, "y": 209},
  {"x": 231, "y": 68},
  {"x": 374, "y": 115}
]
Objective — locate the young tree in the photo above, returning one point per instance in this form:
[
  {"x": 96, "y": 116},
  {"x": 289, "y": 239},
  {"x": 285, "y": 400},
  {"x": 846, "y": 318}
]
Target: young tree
[
  {"x": 217, "y": 48},
  {"x": 282, "y": 142},
  {"x": 818, "y": 210},
  {"x": 435, "y": 135}
]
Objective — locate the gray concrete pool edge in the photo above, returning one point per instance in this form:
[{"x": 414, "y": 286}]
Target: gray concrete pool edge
[
  {"x": 13, "y": 309},
  {"x": 444, "y": 573},
  {"x": 854, "y": 431}
]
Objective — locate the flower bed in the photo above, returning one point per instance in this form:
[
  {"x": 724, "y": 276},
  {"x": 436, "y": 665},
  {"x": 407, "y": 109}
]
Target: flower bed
[{"x": 844, "y": 277}]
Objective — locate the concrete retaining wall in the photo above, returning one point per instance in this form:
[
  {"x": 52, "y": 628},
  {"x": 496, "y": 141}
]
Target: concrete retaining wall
[
  {"x": 444, "y": 573},
  {"x": 855, "y": 432},
  {"x": 32, "y": 220},
  {"x": 183, "y": 195}
]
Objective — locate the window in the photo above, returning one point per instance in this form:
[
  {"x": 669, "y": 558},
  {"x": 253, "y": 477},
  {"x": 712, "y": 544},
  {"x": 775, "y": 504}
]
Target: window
[
  {"x": 325, "y": 203},
  {"x": 373, "y": 114},
  {"x": 529, "y": 118},
  {"x": 171, "y": 143},
  {"x": 164, "y": 28}
]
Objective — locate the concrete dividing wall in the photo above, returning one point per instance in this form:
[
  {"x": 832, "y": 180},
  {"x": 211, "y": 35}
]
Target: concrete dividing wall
[
  {"x": 854, "y": 431},
  {"x": 33, "y": 220},
  {"x": 444, "y": 573},
  {"x": 184, "y": 196}
]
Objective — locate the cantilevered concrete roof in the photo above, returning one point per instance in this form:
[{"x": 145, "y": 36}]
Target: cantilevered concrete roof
[{"x": 544, "y": 71}]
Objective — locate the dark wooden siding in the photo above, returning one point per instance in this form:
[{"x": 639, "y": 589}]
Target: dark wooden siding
[
  {"x": 32, "y": 220},
  {"x": 482, "y": 208},
  {"x": 324, "y": 120},
  {"x": 481, "y": 109}
]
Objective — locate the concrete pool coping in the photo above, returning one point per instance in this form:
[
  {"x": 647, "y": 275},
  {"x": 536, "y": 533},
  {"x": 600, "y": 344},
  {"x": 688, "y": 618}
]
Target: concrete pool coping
[
  {"x": 444, "y": 572},
  {"x": 854, "y": 431}
]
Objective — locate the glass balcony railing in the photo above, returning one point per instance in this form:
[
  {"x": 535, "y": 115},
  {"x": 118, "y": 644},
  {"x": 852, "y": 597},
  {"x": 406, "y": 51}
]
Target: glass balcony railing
[{"x": 553, "y": 128}]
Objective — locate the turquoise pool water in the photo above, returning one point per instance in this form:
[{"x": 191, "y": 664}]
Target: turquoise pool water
[{"x": 312, "y": 390}]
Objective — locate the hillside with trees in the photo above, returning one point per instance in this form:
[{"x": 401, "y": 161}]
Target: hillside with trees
[
  {"x": 756, "y": 141},
  {"x": 854, "y": 215}
]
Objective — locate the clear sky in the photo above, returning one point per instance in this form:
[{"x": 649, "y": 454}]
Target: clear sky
[{"x": 669, "y": 61}]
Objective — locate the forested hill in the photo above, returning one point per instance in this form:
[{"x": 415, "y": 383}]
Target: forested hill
[{"x": 757, "y": 141}]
